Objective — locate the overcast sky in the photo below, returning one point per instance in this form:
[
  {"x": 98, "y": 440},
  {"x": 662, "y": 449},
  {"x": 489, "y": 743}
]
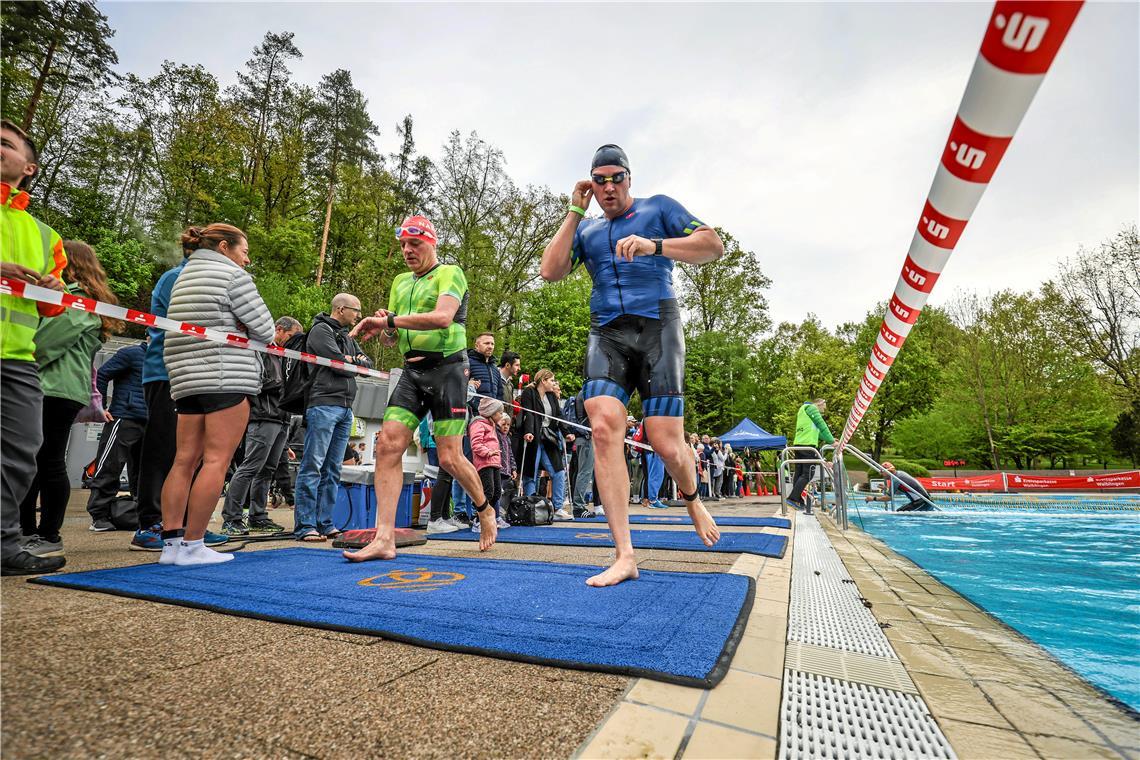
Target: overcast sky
[{"x": 811, "y": 132}]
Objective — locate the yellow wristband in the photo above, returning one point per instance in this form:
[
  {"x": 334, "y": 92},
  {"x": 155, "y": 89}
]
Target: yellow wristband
[{"x": 577, "y": 210}]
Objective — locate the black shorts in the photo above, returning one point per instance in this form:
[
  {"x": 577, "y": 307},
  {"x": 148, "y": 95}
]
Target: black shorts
[
  {"x": 439, "y": 387},
  {"x": 639, "y": 353},
  {"x": 207, "y": 403}
]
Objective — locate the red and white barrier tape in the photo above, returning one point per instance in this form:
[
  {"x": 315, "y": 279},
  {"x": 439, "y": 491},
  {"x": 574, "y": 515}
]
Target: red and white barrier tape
[
  {"x": 22, "y": 289},
  {"x": 1020, "y": 43}
]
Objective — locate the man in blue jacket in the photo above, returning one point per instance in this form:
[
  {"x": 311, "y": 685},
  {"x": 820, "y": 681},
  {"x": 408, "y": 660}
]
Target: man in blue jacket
[
  {"x": 485, "y": 376},
  {"x": 121, "y": 441}
]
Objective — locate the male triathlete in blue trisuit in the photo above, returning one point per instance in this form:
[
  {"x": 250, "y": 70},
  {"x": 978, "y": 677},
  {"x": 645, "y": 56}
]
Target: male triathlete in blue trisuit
[{"x": 636, "y": 340}]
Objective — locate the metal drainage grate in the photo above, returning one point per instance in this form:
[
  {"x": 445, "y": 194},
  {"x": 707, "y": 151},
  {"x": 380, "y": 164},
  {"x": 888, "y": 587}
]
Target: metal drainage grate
[
  {"x": 824, "y": 610},
  {"x": 885, "y": 672},
  {"x": 823, "y": 717}
]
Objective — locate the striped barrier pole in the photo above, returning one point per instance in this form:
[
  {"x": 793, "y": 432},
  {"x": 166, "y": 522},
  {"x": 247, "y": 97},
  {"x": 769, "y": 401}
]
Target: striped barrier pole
[{"x": 1019, "y": 45}]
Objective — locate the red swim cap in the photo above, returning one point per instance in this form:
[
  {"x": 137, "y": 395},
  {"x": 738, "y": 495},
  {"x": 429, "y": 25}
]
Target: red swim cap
[{"x": 417, "y": 227}]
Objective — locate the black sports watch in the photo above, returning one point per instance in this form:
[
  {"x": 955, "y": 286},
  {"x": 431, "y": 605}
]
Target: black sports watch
[{"x": 657, "y": 249}]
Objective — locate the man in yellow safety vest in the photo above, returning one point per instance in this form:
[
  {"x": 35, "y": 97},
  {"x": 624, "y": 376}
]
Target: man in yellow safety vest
[{"x": 32, "y": 252}]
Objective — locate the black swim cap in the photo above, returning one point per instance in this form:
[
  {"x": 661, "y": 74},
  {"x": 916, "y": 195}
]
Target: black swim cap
[{"x": 610, "y": 155}]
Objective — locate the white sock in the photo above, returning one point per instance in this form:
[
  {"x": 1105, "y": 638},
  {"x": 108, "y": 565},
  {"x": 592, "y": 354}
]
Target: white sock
[
  {"x": 170, "y": 549},
  {"x": 197, "y": 553}
]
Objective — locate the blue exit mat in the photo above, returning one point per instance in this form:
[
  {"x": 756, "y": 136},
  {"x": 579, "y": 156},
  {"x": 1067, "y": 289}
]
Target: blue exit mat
[
  {"x": 677, "y": 627},
  {"x": 726, "y": 522},
  {"x": 764, "y": 544}
]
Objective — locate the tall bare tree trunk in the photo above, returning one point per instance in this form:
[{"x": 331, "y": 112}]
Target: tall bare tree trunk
[
  {"x": 325, "y": 231},
  {"x": 38, "y": 88}
]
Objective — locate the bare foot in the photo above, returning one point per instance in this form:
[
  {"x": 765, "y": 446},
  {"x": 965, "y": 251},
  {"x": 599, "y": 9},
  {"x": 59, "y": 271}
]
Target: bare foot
[
  {"x": 378, "y": 549},
  {"x": 620, "y": 570},
  {"x": 488, "y": 530},
  {"x": 703, "y": 522}
]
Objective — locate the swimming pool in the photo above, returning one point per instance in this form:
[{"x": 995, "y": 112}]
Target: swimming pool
[{"x": 1068, "y": 582}]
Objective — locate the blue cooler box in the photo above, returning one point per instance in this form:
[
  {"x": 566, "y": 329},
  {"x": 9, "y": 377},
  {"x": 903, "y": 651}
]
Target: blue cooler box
[{"x": 355, "y": 507}]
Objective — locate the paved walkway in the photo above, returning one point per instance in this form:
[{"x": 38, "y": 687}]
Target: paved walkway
[{"x": 88, "y": 675}]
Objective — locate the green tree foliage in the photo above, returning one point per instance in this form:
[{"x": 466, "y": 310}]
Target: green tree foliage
[
  {"x": 727, "y": 295},
  {"x": 1095, "y": 306},
  {"x": 815, "y": 364},
  {"x": 555, "y": 325},
  {"x": 1125, "y": 434},
  {"x": 915, "y": 379}
]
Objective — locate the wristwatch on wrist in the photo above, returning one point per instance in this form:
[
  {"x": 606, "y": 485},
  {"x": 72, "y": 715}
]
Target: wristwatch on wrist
[
  {"x": 657, "y": 249},
  {"x": 391, "y": 321}
]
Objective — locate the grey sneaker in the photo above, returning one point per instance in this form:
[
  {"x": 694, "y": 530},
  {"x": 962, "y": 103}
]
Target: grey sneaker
[
  {"x": 38, "y": 546},
  {"x": 440, "y": 526},
  {"x": 459, "y": 524},
  {"x": 101, "y": 526},
  {"x": 234, "y": 528}
]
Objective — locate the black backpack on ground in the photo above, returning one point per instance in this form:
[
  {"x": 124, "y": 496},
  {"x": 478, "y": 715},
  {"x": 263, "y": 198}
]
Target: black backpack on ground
[{"x": 530, "y": 510}]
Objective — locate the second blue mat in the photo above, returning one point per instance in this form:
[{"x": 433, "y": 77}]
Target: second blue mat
[
  {"x": 764, "y": 544},
  {"x": 727, "y": 522}
]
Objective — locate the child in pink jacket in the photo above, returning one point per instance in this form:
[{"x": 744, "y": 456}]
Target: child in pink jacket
[{"x": 486, "y": 453}]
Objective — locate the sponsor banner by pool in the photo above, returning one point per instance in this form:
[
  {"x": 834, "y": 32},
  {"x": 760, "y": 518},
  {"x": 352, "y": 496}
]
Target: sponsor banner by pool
[
  {"x": 1019, "y": 45},
  {"x": 977, "y": 483},
  {"x": 1013, "y": 481}
]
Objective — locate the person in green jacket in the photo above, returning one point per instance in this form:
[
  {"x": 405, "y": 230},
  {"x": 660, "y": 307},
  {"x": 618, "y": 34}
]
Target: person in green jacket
[
  {"x": 65, "y": 349},
  {"x": 30, "y": 252},
  {"x": 810, "y": 427}
]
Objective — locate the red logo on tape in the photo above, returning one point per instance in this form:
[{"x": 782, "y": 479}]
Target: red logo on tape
[
  {"x": 1024, "y": 37},
  {"x": 918, "y": 278},
  {"x": 972, "y": 156},
  {"x": 902, "y": 311},
  {"x": 140, "y": 317},
  {"x": 938, "y": 229},
  {"x": 884, "y": 358}
]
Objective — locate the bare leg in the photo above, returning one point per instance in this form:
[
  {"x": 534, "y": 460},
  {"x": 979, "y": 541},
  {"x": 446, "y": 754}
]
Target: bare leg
[
  {"x": 607, "y": 419},
  {"x": 394, "y": 438},
  {"x": 189, "y": 443},
  {"x": 667, "y": 436},
  {"x": 450, "y": 448},
  {"x": 222, "y": 433}
]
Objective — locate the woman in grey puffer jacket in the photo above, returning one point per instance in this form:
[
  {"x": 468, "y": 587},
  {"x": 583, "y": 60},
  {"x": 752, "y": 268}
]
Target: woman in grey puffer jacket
[{"x": 211, "y": 384}]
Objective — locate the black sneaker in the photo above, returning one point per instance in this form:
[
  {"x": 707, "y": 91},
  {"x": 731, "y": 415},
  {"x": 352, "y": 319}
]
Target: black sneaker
[
  {"x": 23, "y": 563},
  {"x": 265, "y": 526},
  {"x": 101, "y": 526},
  {"x": 462, "y": 517},
  {"x": 234, "y": 528}
]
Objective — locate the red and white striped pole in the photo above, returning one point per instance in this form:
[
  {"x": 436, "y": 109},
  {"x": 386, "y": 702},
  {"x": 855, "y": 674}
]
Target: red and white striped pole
[{"x": 1020, "y": 43}]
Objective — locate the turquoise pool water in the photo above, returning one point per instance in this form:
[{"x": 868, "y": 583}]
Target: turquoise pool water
[{"x": 1071, "y": 583}]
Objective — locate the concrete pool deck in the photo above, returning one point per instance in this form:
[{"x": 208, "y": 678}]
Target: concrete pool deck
[{"x": 89, "y": 675}]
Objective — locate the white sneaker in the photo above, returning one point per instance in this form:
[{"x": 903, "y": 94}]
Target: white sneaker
[
  {"x": 503, "y": 524},
  {"x": 440, "y": 526},
  {"x": 475, "y": 526},
  {"x": 599, "y": 511},
  {"x": 459, "y": 524},
  {"x": 563, "y": 516}
]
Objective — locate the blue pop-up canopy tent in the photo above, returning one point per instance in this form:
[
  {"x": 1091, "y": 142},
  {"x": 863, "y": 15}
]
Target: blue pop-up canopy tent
[{"x": 748, "y": 435}]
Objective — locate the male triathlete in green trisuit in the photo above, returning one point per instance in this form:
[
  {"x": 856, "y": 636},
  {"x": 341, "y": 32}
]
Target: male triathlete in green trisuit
[{"x": 427, "y": 308}]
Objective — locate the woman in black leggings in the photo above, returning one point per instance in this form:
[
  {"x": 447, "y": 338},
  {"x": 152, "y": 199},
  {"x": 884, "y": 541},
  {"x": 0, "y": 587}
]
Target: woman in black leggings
[{"x": 65, "y": 348}]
